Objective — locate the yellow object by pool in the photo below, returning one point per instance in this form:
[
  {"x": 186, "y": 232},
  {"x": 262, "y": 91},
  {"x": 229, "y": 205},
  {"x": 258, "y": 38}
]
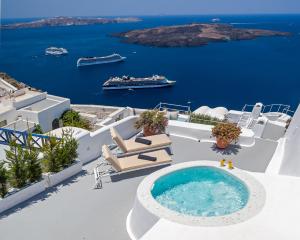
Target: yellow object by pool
[
  {"x": 230, "y": 165},
  {"x": 222, "y": 163}
]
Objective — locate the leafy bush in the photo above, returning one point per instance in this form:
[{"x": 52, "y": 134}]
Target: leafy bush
[
  {"x": 204, "y": 119},
  {"x": 226, "y": 131},
  {"x": 72, "y": 118},
  {"x": 154, "y": 120},
  {"x": 16, "y": 165},
  {"x": 3, "y": 180}
]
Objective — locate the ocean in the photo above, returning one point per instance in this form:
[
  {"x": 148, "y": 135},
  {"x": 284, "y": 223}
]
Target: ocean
[{"x": 227, "y": 74}]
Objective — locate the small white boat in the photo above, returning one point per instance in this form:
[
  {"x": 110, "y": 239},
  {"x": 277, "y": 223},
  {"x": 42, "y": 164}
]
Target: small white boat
[
  {"x": 214, "y": 20},
  {"x": 85, "y": 61},
  {"x": 55, "y": 51}
]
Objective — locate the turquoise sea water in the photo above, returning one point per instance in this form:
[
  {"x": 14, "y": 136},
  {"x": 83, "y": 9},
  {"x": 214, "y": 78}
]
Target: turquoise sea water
[
  {"x": 201, "y": 191},
  {"x": 230, "y": 74}
]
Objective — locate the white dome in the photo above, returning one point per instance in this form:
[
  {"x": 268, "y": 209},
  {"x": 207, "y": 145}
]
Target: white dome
[{"x": 202, "y": 110}]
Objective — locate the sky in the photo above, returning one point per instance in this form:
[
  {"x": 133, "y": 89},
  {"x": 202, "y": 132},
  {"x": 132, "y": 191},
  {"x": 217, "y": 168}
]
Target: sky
[{"x": 49, "y": 8}]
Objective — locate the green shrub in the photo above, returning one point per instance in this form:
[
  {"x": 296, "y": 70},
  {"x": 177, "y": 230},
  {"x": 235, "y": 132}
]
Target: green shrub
[
  {"x": 60, "y": 153},
  {"x": 3, "y": 180},
  {"x": 37, "y": 129},
  {"x": 33, "y": 165},
  {"x": 72, "y": 118},
  {"x": 16, "y": 165},
  {"x": 204, "y": 119},
  {"x": 68, "y": 149},
  {"x": 50, "y": 161}
]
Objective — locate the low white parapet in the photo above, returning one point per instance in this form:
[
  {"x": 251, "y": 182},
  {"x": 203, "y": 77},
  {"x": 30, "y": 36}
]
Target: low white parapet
[
  {"x": 202, "y": 132},
  {"x": 52, "y": 179},
  {"x": 30, "y": 191},
  {"x": 22, "y": 195}
]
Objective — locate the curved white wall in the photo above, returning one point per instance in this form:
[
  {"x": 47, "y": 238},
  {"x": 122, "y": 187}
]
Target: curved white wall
[{"x": 291, "y": 158}]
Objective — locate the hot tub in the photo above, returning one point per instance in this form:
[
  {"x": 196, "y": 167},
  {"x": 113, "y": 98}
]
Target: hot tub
[{"x": 198, "y": 193}]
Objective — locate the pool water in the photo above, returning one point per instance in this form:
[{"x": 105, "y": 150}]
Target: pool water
[{"x": 201, "y": 191}]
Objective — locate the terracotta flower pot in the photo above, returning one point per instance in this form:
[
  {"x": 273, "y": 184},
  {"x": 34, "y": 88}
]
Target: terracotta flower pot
[
  {"x": 148, "y": 132},
  {"x": 222, "y": 144}
]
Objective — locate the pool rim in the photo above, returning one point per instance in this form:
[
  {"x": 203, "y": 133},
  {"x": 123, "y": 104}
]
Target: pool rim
[{"x": 256, "y": 198}]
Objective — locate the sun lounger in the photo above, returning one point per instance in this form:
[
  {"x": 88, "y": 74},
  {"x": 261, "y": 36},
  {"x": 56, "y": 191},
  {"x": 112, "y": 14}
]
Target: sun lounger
[
  {"x": 131, "y": 145},
  {"x": 130, "y": 163}
]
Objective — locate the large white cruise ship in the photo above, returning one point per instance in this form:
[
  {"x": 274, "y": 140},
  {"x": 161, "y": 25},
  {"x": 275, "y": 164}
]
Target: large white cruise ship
[
  {"x": 85, "y": 61},
  {"x": 127, "y": 82}
]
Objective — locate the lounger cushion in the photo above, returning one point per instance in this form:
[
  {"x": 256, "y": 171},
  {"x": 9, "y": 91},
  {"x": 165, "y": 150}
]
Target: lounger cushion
[
  {"x": 133, "y": 162},
  {"x": 118, "y": 139},
  {"x": 108, "y": 156},
  {"x": 160, "y": 140}
]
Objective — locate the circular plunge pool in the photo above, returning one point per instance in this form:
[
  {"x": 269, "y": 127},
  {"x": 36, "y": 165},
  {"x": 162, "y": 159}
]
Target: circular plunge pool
[
  {"x": 201, "y": 191},
  {"x": 198, "y": 193}
]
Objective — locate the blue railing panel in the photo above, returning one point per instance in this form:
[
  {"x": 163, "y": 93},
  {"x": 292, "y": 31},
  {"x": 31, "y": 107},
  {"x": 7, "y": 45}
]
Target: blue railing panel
[{"x": 6, "y": 135}]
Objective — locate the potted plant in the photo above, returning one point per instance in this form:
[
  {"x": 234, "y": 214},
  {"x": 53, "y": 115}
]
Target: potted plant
[
  {"x": 225, "y": 133},
  {"x": 152, "y": 121}
]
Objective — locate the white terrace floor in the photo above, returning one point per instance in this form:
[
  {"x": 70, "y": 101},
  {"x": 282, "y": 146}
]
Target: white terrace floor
[{"x": 74, "y": 211}]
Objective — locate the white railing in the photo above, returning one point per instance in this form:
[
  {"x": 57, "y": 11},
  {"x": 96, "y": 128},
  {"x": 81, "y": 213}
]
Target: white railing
[
  {"x": 246, "y": 119},
  {"x": 279, "y": 108},
  {"x": 173, "y": 107}
]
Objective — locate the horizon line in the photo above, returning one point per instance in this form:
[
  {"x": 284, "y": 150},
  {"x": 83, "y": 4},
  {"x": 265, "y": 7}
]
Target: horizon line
[{"x": 153, "y": 15}]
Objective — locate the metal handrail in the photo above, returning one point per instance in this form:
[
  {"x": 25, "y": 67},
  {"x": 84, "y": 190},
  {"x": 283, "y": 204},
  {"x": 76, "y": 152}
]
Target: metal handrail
[
  {"x": 170, "y": 106},
  {"x": 280, "y": 108}
]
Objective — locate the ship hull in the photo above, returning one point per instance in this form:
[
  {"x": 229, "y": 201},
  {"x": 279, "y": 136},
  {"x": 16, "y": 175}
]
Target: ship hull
[
  {"x": 82, "y": 64},
  {"x": 137, "y": 87}
]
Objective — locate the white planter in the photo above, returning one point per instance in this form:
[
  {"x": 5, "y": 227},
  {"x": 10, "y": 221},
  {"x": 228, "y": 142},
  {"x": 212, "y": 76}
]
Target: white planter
[
  {"x": 21, "y": 195},
  {"x": 52, "y": 179}
]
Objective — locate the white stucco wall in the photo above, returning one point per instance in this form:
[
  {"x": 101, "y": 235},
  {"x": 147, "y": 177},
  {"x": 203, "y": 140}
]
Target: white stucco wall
[
  {"x": 291, "y": 158},
  {"x": 56, "y": 178},
  {"x": 21, "y": 195},
  {"x": 273, "y": 130},
  {"x": 27, "y": 115},
  {"x": 10, "y": 115},
  {"x": 90, "y": 144},
  {"x": 46, "y": 117},
  {"x": 30, "y": 100}
]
